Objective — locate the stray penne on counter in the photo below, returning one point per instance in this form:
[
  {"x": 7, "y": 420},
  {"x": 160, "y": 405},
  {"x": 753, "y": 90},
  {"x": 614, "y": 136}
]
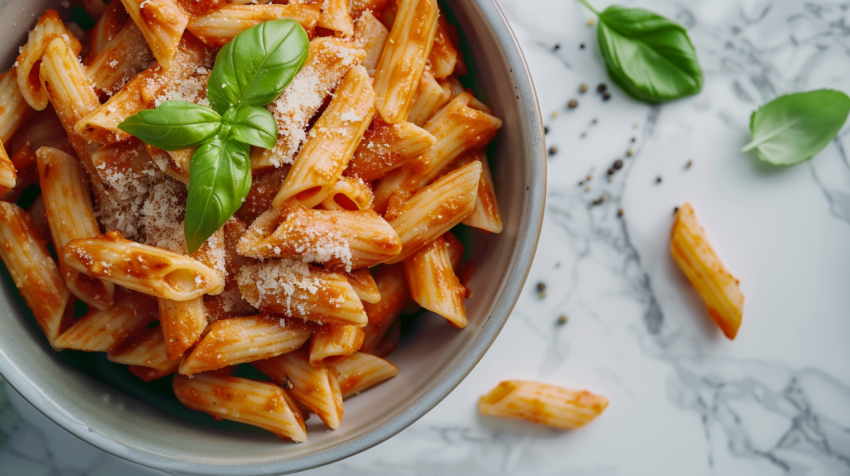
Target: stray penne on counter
[{"x": 542, "y": 403}]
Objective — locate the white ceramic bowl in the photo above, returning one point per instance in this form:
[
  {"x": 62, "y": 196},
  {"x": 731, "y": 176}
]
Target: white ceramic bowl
[{"x": 432, "y": 361}]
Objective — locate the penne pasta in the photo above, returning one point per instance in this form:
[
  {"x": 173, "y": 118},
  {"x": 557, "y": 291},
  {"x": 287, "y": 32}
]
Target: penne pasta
[
  {"x": 315, "y": 387},
  {"x": 140, "y": 267},
  {"x": 8, "y": 176},
  {"x": 403, "y": 59},
  {"x": 443, "y": 57},
  {"x": 435, "y": 209},
  {"x": 107, "y": 28},
  {"x": 26, "y": 174},
  {"x": 336, "y": 16},
  {"x": 331, "y": 344},
  {"x": 144, "y": 348},
  {"x": 364, "y": 285},
  {"x": 14, "y": 109},
  {"x": 219, "y": 26},
  {"x": 245, "y": 339},
  {"x": 182, "y": 323},
  {"x": 371, "y": 35},
  {"x": 693, "y": 253},
  {"x": 542, "y": 403},
  {"x": 48, "y": 28},
  {"x": 70, "y": 214},
  {"x": 43, "y": 129},
  {"x": 486, "y": 214},
  {"x": 361, "y": 372},
  {"x": 349, "y": 194},
  {"x": 328, "y": 62},
  {"x": 337, "y": 239},
  {"x": 100, "y": 330},
  {"x": 386, "y": 147},
  {"x": 331, "y": 143},
  {"x": 458, "y": 128},
  {"x": 430, "y": 97},
  {"x": 162, "y": 23},
  {"x": 293, "y": 288},
  {"x": 433, "y": 284},
  {"x": 248, "y": 401},
  {"x": 35, "y": 273},
  {"x": 395, "y": 297},
  {"x": 120, "y": 60}
]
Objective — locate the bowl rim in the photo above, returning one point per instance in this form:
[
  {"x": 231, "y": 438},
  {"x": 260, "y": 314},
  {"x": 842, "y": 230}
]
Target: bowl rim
[{"x": 518, "y": 270}]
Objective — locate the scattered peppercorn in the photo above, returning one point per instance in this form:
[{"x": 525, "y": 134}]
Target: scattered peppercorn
[
  {"x": 634, "y": 139},
  {"x": 630, "y": 153},
  {"x": 658, "y": 179},
  {"x": 600, "y": 200},
  {"x": 555, "y": 114},
  {"x": 581, "y": 46},
  {"x": 587, "y": 189},
  {"x": 557, "y": 46},
  {"x": 601, "y": 88},
  {"x": 572, "y": 104},
  {"x": 545, "y": 129},
  {"x": 562, "y": 319},
  {"x": 606, "y": 97},
  {"x": 580, "y": 183},
  {"x": 611, "y": 171},
  {"x": 584, "y": 134},
  {"x": 595, "y": 120},
  {"x": 553, "y": 150},
  {"x": 689, "y": 164},
  {"x": 675, "y": 210},
  {"x": 541, "y": 286},
  {"x": 590, "y": 22},
  {"x": 590, "y": 177},
  {"x": 618, "y": 164},
  {"x": 582, "y": 88},
  {"x": 620, "y": 212},
  {"x": 541, "y": 295}
]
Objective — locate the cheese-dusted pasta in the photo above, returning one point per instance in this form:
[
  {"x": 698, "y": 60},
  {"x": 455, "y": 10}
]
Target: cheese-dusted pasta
[{"x": 378, "y": 154}]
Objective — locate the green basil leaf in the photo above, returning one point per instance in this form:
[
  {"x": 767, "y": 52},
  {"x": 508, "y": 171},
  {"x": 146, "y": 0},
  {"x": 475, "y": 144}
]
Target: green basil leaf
[
  {"x": 255, "y": 67},
  {"x": 252, "y": 125},
  {"x": 219, "y": 178},
  {"x": 795, "y": 127},
  {"x": 650, "y": 57},
  {"x": 173, "y": 125}
]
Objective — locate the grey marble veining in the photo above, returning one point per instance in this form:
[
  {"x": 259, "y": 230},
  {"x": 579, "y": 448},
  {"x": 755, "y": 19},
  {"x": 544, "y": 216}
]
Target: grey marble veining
[{"x": 683, "y": 399}]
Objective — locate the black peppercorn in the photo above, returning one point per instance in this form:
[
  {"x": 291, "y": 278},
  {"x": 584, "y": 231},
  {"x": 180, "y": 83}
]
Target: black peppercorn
[
  {"x": 601, "y": 88},
  {"x": 606, "y": 97},
  {"x": 572, "y": 104},
  {"x": 553, "y": 150},
  {"x": 541, "y": 286},
  {"x": 618, "y": 164}
]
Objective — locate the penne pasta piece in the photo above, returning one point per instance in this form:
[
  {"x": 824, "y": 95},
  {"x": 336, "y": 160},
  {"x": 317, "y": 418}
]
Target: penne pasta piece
[
  {"x": 245, "y": 339},
  {"x": 35, "y": 273},
  {"x": 349, "y": 194},
  {"x": 336, "y": 17},
  {"x": 140, "y": 267},
  {"x": 315, "y": 387},
  {"x": 125, "y": 166},
  {"x": 148, "y": 374},
  {"x": 331, "y": 143},
  {"x": 458, "y": 128},
  {"x": 119, "y": 61},
  {"x": 14, "y": 109},
  {"x": 433, "y": 284},
  {"x": 395, "y": 297},
  {"x": 486, "y": 214},
  {"x": 293, "y": 288},
  {"x": 371, "y": 35},
  {"x": 248, "y": 401},
  {"x": 174, "y": 163},
  {"x": 452, "y": 84},
  {"x": 218, "y": 27},
  {"x": 364, "y": 285},
  {"x": 436, "y": 209},
  {"x": 362, "y": 371},
  {"x": 43, "y": 129},
  {"x": 183, "y": 324},
  {"x": 542, "y": 403},
  {"x": 100, "y": 330},
  {"x": 48, "y": 28},
  {"x": 443, "y": 56},
  {"x": 107, "y": 28},
  {"x": 328, "y": 62},
  {"x": 264, "y": 186},
  {"x": 100, "y": 124},
  {"x": 26, "y": 174},
  {"x": 331, "y": 344},
  {"x": 693, "y": 253},
  {"x": 162, "y": 23},
  {"x": 227, "y": 305},
  {"x": 337, "y": 239},
  {"x": 7, "y": 171},
  {"x": 144, "y": 348},
  {"x": 386, "y": 147},
  {"x": 454, "y": 248},
  {"x": 70, "y": 214},
  {"x": 403, "y": 59},
  {"x": 430, "y": 97}
]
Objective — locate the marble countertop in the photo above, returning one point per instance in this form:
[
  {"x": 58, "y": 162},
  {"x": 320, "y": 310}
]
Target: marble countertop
[{"x": 684, "y": 400}]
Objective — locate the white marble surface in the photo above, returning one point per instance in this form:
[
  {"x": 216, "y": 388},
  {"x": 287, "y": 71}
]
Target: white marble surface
[{"x": 683, "y": 399}]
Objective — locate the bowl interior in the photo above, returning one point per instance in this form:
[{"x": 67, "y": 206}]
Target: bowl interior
[{"x": 88, "y": 397}]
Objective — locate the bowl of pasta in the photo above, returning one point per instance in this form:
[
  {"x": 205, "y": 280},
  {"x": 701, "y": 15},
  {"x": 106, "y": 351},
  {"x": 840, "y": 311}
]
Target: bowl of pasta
[{"x": 230, "y": 227}]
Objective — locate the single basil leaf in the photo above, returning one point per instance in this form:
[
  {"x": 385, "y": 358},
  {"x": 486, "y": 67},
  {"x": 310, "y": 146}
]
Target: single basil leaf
[
  {"x": 173, "y": 125},
  {"x": 252, "y": 125},
  {"x": 255, "y": 67},
  {"x": 795, "y": 127},
  {"x": 219, "y": 178},
  {"x": 650, "y": 57}
]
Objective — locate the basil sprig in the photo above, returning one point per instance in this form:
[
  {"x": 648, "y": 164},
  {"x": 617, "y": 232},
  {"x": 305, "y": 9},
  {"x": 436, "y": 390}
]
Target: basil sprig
[
  {"x": 249, "y": 73},
  {"x": 795, "y": 127},
  {"x": 650, "y": 57}
]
